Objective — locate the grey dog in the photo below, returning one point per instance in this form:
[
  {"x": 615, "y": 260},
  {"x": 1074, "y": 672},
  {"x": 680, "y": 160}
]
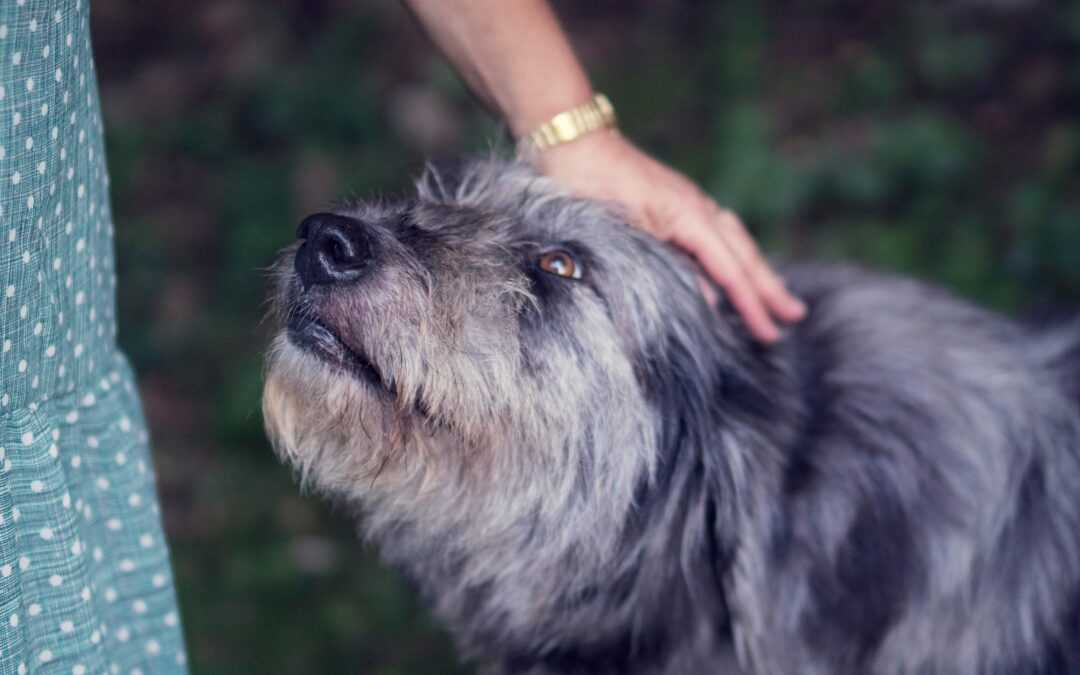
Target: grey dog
[{"x": 586, "y": 468}]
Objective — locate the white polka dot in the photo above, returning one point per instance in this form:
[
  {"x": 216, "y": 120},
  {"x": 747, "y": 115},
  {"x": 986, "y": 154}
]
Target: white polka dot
[
  {"x": 146, "y": 540},
  {"x": 34, "y": 609},
  {"x": 170, "y": 619},
  {"x": 134, "y": 499},
  {"x": 36, "y": 486},
  {"x": 123, "y": 634},
  {"x": 46, "y": 533},
  {"x": 5, "y": 570},
  {"x": 28, "y": 438},
  {"x": 14, "y": 620},
  {"x": 121, "y": 458},
  {"x": 114, "y": 524},
  {"x": 45, "y": 656},
  {"x": 126, "y": 565},
  {"x": 110, "y": 595},
  {"x": 158, "y": 580},
  {"x": 24, "y": 563},
  {"x": 78, "y": 669},
  {"x": 56, "y": 580},
  {"x": 153, "y": 647},
  {"x": 139, "y": 606}
]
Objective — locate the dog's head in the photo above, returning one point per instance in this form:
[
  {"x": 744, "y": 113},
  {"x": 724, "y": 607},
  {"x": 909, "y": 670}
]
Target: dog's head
[{"x": 492, "y": 350}]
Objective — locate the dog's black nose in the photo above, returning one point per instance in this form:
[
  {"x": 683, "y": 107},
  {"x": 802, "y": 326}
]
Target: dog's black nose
[{"x": 337, "y": 250}]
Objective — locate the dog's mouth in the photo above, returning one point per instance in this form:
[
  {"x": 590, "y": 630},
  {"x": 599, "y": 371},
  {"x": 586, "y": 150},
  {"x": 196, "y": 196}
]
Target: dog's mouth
[{"x": 308, "y": 332}]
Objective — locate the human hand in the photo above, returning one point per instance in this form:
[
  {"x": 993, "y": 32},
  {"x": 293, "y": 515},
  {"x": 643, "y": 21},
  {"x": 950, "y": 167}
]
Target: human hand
[{"x": 667, "y": 205}]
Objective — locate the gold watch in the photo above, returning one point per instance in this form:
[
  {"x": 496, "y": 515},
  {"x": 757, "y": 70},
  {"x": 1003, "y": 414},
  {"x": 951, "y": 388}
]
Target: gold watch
[{"x": 597, "y": 113}]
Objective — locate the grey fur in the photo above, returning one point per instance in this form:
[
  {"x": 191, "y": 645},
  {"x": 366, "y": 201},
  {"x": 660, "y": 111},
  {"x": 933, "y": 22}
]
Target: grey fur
[{"x": 607, "y": 475}]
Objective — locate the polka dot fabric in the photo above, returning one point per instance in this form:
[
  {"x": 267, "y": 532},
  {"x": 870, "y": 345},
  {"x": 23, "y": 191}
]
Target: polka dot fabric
[{"x": 85, "y": 583}]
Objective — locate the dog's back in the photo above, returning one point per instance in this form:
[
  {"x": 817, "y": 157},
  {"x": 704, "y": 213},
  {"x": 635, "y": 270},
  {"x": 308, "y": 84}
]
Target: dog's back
[{"x": 930, "y": 509}]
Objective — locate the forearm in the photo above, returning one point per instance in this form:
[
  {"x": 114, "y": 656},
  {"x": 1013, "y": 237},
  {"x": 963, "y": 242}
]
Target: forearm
[{"x": 512, "y": 53}]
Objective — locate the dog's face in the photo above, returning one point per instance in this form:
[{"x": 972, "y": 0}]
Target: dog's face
[{"x": 483, "y": 347}]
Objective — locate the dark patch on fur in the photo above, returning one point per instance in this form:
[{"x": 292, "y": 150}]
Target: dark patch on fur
[
  {"x": 801, "y": 471},
  {"x": 860, "y": 595},
  {"x": 617, "y": 655}
]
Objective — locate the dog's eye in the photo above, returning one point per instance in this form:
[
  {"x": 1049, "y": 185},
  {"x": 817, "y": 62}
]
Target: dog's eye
[{"x": 561, "y": 264}]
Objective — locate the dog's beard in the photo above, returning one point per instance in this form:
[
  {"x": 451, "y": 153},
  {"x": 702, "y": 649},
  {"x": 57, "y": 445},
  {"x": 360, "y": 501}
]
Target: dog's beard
[{"x": 322, "y": 416}]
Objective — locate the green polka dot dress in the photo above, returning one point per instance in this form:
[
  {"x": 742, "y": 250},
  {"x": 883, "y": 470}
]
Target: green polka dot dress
[{"x": 85, "y": 584}]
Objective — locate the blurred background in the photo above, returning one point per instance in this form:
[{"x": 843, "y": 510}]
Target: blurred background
[{"x": 935, "y": 138}]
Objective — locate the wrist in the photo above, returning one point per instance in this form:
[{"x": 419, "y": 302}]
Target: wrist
[{"x": 544, "y": 100}]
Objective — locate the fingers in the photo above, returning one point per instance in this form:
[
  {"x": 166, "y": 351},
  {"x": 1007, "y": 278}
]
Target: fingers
[
  {"x": 713, "y": 252},
  {"x": 719, "y": 241},
  {"x": 770, "y": 287}
]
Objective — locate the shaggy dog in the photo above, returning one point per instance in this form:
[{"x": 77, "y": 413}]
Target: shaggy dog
[{"x": 588, "y": 469}]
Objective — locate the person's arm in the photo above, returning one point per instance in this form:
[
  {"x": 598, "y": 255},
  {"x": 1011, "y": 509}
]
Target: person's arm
[{"x": 517, "y": 60}]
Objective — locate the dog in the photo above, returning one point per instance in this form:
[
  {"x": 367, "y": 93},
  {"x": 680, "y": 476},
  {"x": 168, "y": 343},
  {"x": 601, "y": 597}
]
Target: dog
[{"x": 586, "y": 467}]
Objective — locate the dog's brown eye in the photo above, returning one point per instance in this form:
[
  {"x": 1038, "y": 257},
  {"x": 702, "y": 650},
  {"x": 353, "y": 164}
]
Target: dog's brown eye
[{"x": 561, "y": 264}]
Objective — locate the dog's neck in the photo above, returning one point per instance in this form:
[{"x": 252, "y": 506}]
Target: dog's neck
[{"x": 680, "y": 537}]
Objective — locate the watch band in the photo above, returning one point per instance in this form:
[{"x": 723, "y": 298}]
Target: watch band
[{"x": 595, "y": 114}]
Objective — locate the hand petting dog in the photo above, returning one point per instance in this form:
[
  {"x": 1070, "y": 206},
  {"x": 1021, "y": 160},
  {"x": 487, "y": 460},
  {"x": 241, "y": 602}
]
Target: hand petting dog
[
  {"x": 667, "y": 205},
  {"x": 517, "y": 60}
]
